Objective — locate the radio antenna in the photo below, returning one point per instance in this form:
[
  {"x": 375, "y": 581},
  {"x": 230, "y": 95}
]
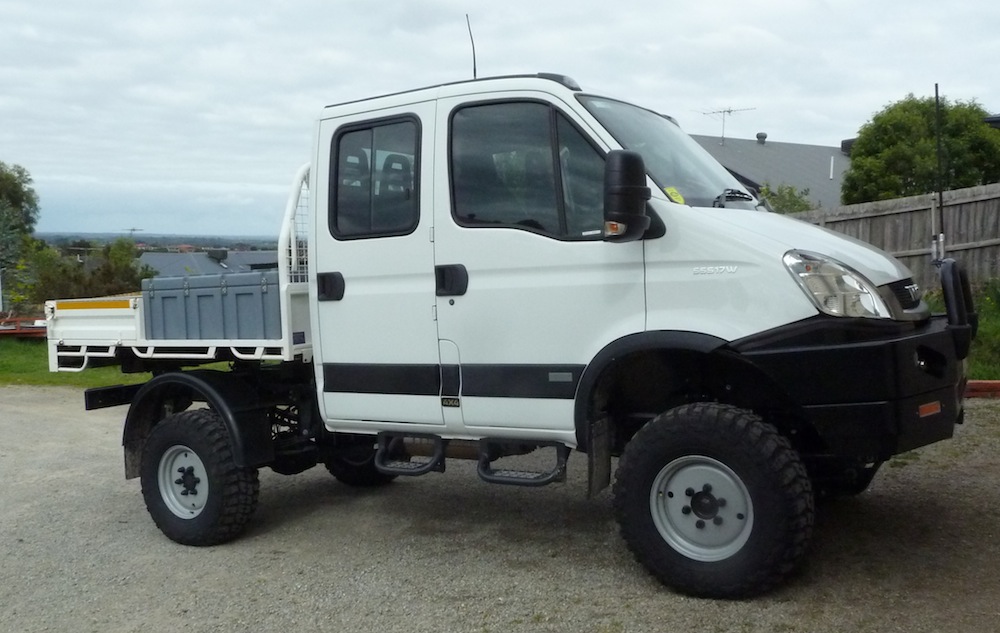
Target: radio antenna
[
  {"x": 726, "y": 112},
  {"x": 471, "y": 39}
]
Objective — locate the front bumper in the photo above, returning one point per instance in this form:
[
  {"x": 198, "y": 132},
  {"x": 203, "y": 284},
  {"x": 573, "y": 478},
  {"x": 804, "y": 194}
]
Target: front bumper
[{"x": 871, "y": 390}]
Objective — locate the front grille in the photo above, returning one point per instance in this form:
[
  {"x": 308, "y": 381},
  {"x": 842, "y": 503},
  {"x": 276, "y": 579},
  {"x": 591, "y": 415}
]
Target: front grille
[{"x": 907, "y": 292}]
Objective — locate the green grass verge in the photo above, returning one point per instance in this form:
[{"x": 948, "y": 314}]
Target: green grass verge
[{"x": 25, "y": 362}]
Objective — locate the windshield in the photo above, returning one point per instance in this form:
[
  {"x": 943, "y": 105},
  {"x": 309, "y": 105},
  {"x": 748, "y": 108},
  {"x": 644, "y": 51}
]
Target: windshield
[{"x": 684, "y": 171}]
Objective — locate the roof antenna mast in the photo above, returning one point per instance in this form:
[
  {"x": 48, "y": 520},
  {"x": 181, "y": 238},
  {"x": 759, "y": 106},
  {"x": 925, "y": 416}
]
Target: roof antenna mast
[
  {"x": 726, "y": 112},
  {"x": 471, "y": 39}
]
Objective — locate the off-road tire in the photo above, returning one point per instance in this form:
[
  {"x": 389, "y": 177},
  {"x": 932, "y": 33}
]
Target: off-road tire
[
  {"x": 353, "y": 464},
  {"x": 191, "y": 452},
  {"x": 714, "y": 501}
]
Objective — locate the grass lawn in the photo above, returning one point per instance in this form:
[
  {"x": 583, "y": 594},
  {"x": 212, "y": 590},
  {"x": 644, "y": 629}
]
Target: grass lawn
[{"x": 25, "y": 362}]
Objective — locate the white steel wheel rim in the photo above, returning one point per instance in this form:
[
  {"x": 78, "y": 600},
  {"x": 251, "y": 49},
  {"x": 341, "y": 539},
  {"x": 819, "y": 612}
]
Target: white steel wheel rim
[
  {"x": 701, "y": 508},
  {"x": 183, "y": 482}
]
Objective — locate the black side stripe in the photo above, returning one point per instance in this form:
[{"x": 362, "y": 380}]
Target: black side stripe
[
  {"x": 521, "y": 381},
  {"x": 492, "y": 381}
]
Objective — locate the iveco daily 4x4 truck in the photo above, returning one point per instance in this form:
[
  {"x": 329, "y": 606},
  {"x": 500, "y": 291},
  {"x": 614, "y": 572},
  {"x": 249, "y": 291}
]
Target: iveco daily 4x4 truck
[{"x": 485, "y": 268}]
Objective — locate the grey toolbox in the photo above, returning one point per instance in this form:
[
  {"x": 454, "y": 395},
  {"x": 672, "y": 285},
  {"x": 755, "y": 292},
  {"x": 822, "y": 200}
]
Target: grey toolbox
[{"x": 227, "y": 306}]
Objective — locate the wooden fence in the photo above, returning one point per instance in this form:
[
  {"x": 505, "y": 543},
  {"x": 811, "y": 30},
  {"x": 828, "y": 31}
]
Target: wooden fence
[{"x": 904, "y": 228}]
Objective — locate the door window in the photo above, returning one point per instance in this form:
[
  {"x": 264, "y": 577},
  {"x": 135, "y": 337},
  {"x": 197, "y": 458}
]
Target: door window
[
  {"x": 374, "y": 180},
  {"x": 524, "y": 165}
]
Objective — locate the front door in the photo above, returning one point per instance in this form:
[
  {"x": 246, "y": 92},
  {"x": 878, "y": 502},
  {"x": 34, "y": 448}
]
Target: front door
[
  {"x": 544, "y": 292},
  {"x": 377, "y": 341}
]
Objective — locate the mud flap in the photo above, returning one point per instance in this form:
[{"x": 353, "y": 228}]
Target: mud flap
[{"x": 598, "y": 457}]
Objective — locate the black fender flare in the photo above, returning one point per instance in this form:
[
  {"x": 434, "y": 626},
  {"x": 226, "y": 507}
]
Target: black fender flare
[
  {"x": 235, "y": 400},
  {"x": 594, "y": 435},
  {"x": 656, "y": 340}
]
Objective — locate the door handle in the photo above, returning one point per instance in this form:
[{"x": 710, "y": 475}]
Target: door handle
[
  {"x": 330, "y": 286},
  {"x": 452, "y": 280}
]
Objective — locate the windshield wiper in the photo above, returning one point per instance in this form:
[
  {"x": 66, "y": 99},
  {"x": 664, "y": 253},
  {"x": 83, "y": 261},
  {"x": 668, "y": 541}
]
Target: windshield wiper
[{"x": 731, "y": 195}]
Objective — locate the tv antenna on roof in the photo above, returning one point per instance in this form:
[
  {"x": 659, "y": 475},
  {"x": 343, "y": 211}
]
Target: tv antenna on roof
[
  {"x": 726, "y": 112},
  {"x": 131, "y": 232}
]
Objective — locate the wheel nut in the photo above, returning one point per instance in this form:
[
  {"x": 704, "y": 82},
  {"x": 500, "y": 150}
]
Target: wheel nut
[
  {"x": 706, "y": 488},
  {"x": 700, "y": 524},
  {"x": 721, "y": 502},
  {"x": 689, "y": 492},
  {"x": 717, "y": 520},
  {"x": 686, "y": 510}
]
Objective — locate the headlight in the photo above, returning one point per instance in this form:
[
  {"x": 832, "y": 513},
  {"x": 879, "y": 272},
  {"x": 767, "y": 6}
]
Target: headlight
[{"x": 834, "y": 288}]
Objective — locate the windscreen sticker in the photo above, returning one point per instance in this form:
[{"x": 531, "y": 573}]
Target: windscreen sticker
[{"x": 674, "y": 195}]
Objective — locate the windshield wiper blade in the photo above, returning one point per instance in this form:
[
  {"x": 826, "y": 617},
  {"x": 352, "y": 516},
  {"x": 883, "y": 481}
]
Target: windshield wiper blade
[{"x": 731, "y": 194}]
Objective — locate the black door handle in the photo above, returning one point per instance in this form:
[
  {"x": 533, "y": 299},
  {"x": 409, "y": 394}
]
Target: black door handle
[
  {"x": 330, "y": 286},
  {"x": 452, "y": 280}
]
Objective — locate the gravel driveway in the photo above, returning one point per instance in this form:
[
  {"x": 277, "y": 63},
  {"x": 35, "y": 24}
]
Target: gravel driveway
[{"x": 920, "y": 551}]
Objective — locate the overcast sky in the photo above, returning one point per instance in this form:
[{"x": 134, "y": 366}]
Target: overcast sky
[{"x": 191, "y": 117}]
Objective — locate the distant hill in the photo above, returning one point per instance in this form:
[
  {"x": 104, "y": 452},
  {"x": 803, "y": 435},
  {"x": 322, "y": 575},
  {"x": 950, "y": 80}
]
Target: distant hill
[{"x": 231, "y": 242}]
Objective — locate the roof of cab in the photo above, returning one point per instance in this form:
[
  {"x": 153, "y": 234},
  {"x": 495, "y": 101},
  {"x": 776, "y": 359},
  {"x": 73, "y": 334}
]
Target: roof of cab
[{"x": 475, "y": 84}]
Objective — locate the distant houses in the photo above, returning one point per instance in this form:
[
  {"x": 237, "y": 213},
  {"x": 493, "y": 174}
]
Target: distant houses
[
  {"x": 818, "y": 168},
  {"x": 213, "y": 261}
]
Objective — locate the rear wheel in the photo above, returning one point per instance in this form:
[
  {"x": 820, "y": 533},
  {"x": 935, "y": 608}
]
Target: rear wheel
[
  {"x": 713, "y": 501},
  {"x": 193, "y": 489}
]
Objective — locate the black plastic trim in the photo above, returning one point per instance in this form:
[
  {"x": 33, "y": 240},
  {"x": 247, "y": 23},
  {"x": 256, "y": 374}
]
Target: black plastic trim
[
  {"x": 330, "y": 286},
  {"x": 414, "y": 380},
  {"x": 489, "y": 381},
  {"x": 521, "y": 381},
  {"x": 661, "y": 340}
]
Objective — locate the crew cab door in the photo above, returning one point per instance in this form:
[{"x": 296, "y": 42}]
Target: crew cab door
[
  {"x": 519, "y": 224},
  {"x": 377, "y": 354}
]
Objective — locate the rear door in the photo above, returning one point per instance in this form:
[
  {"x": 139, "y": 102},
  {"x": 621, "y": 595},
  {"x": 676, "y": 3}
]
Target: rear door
[{"x": 377, "y": 341}]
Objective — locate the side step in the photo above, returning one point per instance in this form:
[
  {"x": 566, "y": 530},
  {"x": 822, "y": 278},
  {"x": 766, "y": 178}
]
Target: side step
[
  {"x": 391, "y": 457},
  {"x": 488, "y": 448}
]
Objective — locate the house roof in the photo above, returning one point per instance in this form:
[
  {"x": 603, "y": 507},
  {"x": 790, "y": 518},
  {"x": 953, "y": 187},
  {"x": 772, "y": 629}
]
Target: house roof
[
  {"x": 204, "y": 263},
  {"x": 818, "y": 168}
]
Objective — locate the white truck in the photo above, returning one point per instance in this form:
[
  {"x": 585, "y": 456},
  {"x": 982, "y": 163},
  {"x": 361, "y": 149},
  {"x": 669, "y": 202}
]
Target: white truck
[{"x": 483, "y": 269}]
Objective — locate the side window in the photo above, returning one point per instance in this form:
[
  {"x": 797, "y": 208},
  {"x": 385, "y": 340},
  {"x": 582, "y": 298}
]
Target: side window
[
  {"x": 523, "y": 165},
  {"x": 373, "y": 184},
  {"x": 582, "y": 169}
]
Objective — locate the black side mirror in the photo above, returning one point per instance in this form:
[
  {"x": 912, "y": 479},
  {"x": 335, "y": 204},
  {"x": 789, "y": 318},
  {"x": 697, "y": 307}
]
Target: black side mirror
[{"x": 625, "y": 196}]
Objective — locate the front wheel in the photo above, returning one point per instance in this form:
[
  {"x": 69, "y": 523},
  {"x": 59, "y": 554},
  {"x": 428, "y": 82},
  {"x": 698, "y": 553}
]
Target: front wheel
[
  {"x": 713, "y": 501},
  {"x": 193, "y": 489}
]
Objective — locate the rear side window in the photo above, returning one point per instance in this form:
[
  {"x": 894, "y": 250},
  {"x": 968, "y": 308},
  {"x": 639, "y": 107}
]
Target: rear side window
[
  {"x": 524, "y": 165},
  {"x": 374, "y": 180}
]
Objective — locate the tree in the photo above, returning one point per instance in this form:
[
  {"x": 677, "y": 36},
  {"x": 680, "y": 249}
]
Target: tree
[
  {"x": 44, "y": 273},
  {"x": 18, "y": 200},
  {"x": 118, "y": 270},
  {"x": 786, "y": 198},
  {"x": 895, "y": 154},
  {"x": 18, "y": 214}
]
